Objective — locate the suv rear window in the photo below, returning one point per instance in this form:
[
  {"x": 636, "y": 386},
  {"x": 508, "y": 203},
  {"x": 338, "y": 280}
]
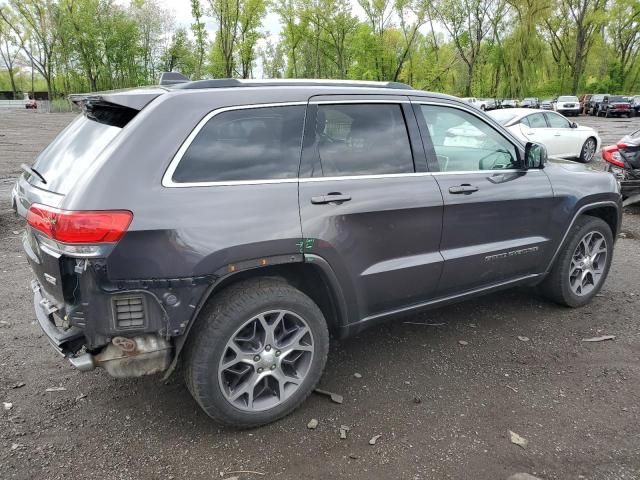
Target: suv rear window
[
  {"x": 71, "y": 154},
  {"x": 261, "y": 143}
]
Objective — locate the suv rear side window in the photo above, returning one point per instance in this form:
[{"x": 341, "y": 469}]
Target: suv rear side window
[
  {"x": 261, "y": 143},
  {"x": 362, "y": 139}
]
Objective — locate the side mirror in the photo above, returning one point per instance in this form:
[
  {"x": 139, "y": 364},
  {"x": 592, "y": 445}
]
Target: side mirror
[
  {"x": 574, "y": 125},
  {"x": 535, "y": 155}
]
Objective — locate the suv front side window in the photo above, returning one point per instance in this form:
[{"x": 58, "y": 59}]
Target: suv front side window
[
  {"x": 464, "y": 142},
  {"x": 361, "y": 139},
  {"x": 247, "y": 144}
]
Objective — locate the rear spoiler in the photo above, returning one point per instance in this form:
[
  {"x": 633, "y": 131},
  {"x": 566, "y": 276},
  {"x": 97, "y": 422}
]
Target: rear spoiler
[{"x": 136, "y": 98}]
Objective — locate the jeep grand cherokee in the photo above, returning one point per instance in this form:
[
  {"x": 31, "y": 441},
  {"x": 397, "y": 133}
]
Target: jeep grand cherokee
[{"x": 232, "y": 225}]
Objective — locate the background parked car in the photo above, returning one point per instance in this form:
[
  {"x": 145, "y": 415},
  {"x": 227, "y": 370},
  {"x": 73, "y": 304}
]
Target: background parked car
[
  {"x": 594, "y": 103},
  {"x": 490, "y": 104},
  {"x": 635, "y": 105},
  {"x": 562, "y": 137},
  {"x": 614, "y": 106},
  {"x": 530, "y": 102},
  {"x": 567, "y": 105},
  {"x": 547, "y": 104},
  {"x": 476, "y": 102},
  {"x": 509, "y": 103}
]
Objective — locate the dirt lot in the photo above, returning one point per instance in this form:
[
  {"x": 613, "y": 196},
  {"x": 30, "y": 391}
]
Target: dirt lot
[{"x": 444, "y": 410}]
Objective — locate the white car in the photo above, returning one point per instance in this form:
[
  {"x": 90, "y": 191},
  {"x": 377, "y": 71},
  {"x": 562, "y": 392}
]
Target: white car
[
  {"x": 567, "y": 105},
  {"x": 476, "y": 102},
  {"x": 561, "y": 137}
]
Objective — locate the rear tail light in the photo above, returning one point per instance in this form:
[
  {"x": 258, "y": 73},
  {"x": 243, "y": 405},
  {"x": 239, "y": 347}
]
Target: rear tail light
[
  {"x": 84, "y": 227},
  {"x": 612, "y": 155}
]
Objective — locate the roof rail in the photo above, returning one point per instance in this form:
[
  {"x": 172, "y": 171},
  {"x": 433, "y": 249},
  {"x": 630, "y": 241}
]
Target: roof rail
[{"x": 234, "y": 82}]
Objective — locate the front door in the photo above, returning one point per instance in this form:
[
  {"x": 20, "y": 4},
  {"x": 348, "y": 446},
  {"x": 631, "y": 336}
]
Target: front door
[
  {"x": 367, "y": 204},
  {"x": 567, "y": 138},
  {"x": 495, "y": 222}
]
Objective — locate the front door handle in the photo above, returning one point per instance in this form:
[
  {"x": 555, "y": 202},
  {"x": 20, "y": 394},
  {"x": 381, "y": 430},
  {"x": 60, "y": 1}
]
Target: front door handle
[
  {"x": 464, "y": 188},
  {"x": 330, "y": 198}
]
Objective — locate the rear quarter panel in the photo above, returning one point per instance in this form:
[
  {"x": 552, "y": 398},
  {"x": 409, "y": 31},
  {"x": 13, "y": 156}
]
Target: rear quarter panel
[{"x": 182, "y": 232}]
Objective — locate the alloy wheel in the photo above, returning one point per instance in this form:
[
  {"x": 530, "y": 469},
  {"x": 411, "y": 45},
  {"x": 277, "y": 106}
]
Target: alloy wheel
[
  {"x": 266, "y": 360},
  {"x": 589, "y": 149},
  {"x": 588, "y": 263}
]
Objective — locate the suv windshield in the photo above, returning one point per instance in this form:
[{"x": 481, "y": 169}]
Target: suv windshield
[
  {"x": 568, "y": 98},
  {"x": 617, "y": 98}
]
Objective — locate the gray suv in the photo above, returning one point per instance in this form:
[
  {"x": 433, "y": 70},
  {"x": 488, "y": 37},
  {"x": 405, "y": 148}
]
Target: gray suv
[{"x": 231, "y": 226}]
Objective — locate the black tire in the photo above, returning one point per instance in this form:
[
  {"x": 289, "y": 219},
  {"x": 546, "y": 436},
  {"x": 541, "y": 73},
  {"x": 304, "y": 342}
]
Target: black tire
[
  {"x": 556, "y": 285},
  {"x": 583, "y": 158},
  {"x": 219, "y": 321}
]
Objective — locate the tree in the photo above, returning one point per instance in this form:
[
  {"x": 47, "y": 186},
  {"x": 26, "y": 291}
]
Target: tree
[
  {"x": 571, "y": 28},
  {"x": 36, "y": 25},
  {"x": 250, "y": 20},
  {"x": 227, "y": 14},
  {"x": 624, "y": 31},
  {"x": 468, "y": 22},
  {"x": 9, "y": 50},
  {"x": 180, "y": 54},
  {"x": 379, "y": 14},
  {"x": 200, "y": 35}
]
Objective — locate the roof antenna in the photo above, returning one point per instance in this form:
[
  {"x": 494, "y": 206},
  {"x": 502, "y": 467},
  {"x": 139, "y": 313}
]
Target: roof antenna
[{"x": 172, "y": 78}]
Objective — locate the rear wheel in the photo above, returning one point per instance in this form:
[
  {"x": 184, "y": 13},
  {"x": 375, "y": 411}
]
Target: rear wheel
[
  {"x": 258, "y": 352},
  {"x": 588, "y": 150},
  {"x": 582, "y": 265}
]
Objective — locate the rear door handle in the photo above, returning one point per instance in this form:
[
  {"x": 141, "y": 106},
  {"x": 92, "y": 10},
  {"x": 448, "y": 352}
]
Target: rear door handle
[
  {"x": 464, "y": 188},
  {"x": 330, "y": 198}
]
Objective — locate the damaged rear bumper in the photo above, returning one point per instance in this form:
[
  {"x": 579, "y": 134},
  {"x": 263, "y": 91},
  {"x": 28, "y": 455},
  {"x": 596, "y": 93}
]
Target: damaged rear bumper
[{"x": 122, "y": 357}]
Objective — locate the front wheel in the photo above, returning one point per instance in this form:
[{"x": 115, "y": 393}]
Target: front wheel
[
  {"x": 582, "y": 265},
  {"x": 588, "y": 150},
  {"x": 259, "y": 350}
]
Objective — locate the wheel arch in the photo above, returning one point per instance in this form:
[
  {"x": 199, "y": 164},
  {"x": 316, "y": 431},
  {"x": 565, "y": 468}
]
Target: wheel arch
[
  {"x": 608, "y": 211},
  {"x": 311, "y": 278}
]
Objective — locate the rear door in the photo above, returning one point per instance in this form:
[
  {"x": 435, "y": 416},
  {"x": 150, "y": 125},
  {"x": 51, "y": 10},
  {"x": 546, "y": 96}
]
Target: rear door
[
  {"x": 368, "y": 206},
  {"x": 534, "y": 128},
  {"x": 495, "y": 225}
]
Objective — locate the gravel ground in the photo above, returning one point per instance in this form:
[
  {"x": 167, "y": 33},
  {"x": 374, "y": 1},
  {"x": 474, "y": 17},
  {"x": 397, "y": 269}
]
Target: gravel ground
[{"x": 444, "y": 410}]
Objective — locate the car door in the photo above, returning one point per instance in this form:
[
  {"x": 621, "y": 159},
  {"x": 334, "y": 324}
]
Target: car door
[
  {"x": 495, "y": 226},
  {"x": 367, "y": 204},
  {"x": 535, "y": 128},
  {"x": 565, "y": 141}
]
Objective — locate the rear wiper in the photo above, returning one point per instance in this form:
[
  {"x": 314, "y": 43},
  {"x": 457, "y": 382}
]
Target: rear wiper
[{"x": 33, "y": 171}]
